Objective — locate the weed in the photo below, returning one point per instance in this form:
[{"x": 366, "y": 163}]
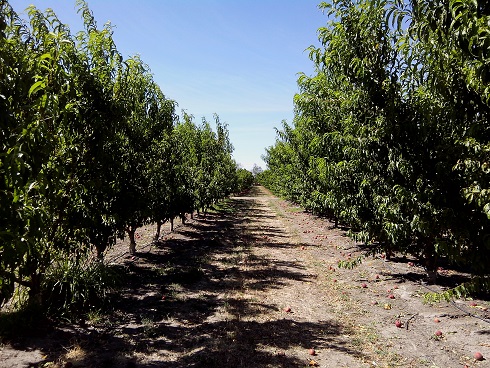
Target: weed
[
  {"x": 74, "y": 285},
  {"x": 149, "y": 327},
  {"x": 95, "y": 316}
]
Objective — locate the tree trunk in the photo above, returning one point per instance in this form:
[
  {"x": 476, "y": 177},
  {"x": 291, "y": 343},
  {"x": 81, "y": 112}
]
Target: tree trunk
[
  {"x": 99, "y": 248},
  {"x": 430, "y": 261},
  {"x": 35, "y": 296},
  {"x": 159, "y": 228},
  {"x": 171, "y": 224},
  {"x": 132, "y": 242}
]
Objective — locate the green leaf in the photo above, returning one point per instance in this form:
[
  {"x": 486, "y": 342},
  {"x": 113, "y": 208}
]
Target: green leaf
[
  {"x": 39, "y": 85},
  {"x": 46, "y": 56}
]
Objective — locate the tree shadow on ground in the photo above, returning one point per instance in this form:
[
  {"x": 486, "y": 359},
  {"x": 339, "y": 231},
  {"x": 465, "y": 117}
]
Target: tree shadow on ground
[{"x": 181, "y": 305}]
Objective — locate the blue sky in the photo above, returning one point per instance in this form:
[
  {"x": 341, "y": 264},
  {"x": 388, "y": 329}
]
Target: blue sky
[{"x": 236, "y": 58}]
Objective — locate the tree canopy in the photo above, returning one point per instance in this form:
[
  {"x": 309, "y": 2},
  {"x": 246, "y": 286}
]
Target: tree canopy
[{"x": 391, "y": 134}]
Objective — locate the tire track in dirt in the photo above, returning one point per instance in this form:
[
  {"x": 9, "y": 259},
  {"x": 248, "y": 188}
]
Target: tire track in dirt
[{"x": 304, "y": 296}]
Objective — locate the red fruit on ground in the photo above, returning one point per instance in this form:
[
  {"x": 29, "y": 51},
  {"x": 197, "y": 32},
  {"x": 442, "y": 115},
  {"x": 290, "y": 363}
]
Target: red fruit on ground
[
  {"x": 398, "y": 323},
  {"x": 438, "y": 333},
  {"x": 395, "y": 287},
  {"x": 411, "y": 264},
  {"x": 334, "y": 280},
  {"x": 478, "y": 356},
  {"x": 374, "y": 302},
  {"x": 473, "y": 304},
  {"x": 312, "y": 352},
  {"x": 382, "y": 256},
  {"x": 364, "y": 285},
  {"x": 287, "y": 309},
  {"x": 437, "y": 320},
  {"x": 349, "y": 255},
  {"x": 376, "y": 277},
  {"x": 391, "y": 296}
]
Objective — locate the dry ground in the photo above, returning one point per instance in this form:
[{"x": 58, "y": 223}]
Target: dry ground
[{"x": 256, "y": 284}]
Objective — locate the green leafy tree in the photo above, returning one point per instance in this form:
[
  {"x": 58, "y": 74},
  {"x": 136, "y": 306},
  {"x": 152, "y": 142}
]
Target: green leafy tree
[
  {"x": 389, "y": 135},
  {"x": 244, "y": 179}
]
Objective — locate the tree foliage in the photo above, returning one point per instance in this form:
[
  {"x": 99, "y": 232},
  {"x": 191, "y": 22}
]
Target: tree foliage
[
  {"x": 390, "y": 134},
  {"x": 90, "y": 149}
]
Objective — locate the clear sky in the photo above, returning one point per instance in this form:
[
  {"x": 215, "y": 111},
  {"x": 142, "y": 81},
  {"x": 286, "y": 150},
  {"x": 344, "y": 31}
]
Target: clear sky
[{"x": 236, "y": 58}]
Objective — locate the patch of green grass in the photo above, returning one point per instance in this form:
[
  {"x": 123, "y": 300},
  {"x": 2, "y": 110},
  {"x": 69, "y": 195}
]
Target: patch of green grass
[
  {"x": 150, "y": 328},
  {"x": 95, "y": 317},
  {"x": 224, "y": 206},
  {"x": 294, "y": 209}
]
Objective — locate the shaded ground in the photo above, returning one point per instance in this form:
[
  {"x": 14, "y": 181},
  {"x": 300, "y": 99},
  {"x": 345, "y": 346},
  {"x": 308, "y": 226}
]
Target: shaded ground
[{"x": 256, "y": 284}]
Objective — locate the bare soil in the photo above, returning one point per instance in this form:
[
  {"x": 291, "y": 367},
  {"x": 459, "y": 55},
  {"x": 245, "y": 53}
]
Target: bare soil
[{"x": 256, "y": 283}]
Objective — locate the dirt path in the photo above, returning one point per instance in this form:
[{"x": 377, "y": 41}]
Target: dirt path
[{"x": 256, "y": 284}]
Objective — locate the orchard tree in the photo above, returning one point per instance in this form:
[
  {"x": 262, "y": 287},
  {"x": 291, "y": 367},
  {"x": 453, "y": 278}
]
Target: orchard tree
[
  {"x": 244, "y": 179},
  {"x": 390, "y": 134}
]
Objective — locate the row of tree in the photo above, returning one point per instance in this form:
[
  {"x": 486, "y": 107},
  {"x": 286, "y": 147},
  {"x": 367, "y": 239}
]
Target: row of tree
[
  {"x": 90, "y": 148},
  {"x": 391, "y": 134}
]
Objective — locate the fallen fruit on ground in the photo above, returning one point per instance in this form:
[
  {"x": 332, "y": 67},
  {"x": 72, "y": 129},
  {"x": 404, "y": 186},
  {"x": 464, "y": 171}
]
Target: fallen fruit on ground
[
  {"x": 287, "y": 309},
  {"x": 364, "y": 285},
  {"x": 398, "y": 323},
  {"x": 438, "y": 333},
  {"x": 437, "y": 320},
  {"x": 391, "y": 296},
  {"x": 312, "y": 352},
  {"x": 478, "y": 356}
]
